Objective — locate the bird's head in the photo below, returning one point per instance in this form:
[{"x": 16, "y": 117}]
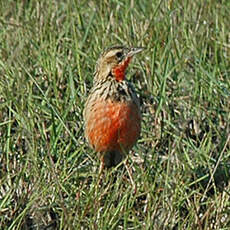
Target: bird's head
[{"x": 114, "y": 61}]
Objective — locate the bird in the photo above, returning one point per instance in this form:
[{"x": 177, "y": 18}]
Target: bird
[{"x": 112, "y": 116}]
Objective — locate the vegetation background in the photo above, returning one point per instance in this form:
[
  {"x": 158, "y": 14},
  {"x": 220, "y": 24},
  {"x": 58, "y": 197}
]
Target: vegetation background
[{"x": 181, "y": 163}]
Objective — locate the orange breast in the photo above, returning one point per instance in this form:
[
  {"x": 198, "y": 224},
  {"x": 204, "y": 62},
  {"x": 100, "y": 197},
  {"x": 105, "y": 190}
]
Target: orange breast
[{"x": 113, "y": 125}]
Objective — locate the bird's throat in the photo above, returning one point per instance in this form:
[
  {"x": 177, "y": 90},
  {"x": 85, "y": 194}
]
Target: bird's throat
[{"x": 119, "y": 71}]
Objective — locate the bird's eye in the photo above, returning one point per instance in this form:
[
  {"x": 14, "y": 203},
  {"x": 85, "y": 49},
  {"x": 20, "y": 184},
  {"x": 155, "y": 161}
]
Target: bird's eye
[{"x": 119, "y": 54}]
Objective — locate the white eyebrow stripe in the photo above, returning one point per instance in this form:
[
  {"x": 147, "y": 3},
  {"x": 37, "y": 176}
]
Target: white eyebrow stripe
[{"x": 112, "y": 52}]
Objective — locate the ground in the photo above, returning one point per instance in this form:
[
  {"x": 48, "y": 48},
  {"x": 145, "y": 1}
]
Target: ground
[{"x": 180, "y": 164}]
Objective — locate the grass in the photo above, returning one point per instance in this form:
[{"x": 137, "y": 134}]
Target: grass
[{"x": 181, "y": 163}]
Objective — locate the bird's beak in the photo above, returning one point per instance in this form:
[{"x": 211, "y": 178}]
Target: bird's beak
[{"x": 134, "y": 51}]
